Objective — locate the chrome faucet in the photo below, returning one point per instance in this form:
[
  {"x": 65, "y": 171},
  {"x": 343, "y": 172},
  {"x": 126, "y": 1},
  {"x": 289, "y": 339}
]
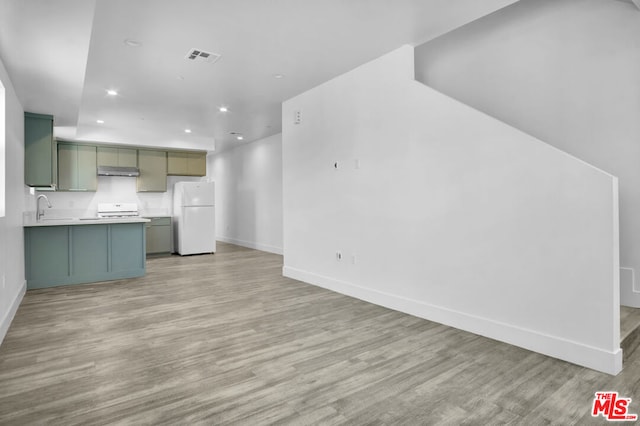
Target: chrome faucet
[{"x": 40, "y": 213}]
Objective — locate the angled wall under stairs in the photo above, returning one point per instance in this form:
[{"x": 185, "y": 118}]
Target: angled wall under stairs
[
  {"x": 399, "y": 195},
  {"x": 565, "y": 72}
]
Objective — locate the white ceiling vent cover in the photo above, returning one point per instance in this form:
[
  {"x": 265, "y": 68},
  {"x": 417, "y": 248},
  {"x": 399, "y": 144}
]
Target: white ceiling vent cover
[{"x": 199, "y": 55}]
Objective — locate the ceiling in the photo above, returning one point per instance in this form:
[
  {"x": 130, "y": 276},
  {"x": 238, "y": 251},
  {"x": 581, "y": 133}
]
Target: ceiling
[{"x": 63, "y": 55}]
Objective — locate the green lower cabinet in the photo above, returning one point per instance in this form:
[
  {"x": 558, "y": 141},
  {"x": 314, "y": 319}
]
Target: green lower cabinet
[
  {"x": 127, "y": 247},
  {"x": 76, "y": 254},
  {"x": 158, "y": 235},
  {"x": 89, "y": 251},
  {"x": 45, "y": 256}
]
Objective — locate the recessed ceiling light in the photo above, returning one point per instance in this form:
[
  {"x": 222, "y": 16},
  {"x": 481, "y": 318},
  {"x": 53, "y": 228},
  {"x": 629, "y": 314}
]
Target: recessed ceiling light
[
  {"x": 100, "y": 121},
  {"x": 223, "y": 109},
  {"x": 112, "y": 92},
  {"x": 278, "y": 76},
  {"x": 187, "y": 130},
  {"x": 132, "y": 43},
  {"x": 240, "y": 137}
]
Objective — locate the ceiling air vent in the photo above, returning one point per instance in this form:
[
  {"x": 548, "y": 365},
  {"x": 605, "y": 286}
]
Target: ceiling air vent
[{"x": 198, "y": 55}]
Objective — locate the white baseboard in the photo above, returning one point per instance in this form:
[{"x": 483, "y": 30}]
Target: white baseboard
[
  {"x": 11, "y": 313},
  {"x": 556, "y": 347},
  {"x": 251, "y": 244}
]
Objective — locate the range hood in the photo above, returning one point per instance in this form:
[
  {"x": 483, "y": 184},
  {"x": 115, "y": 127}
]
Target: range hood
[{"x": 118, "y": 171}]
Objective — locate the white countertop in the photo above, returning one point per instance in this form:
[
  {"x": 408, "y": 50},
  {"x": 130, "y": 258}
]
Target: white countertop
[{"x": 65, "y": 221}]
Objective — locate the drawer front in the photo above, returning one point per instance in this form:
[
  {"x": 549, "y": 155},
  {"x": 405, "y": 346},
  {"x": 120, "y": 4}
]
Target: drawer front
[{"x": 160, "y": 221}]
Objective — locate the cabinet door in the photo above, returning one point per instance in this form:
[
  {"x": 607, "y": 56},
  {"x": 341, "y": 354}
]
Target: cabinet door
[
  {"x": 158, "y": 236},
  {"x": 87, "y": 173},
  {"x": 46, "y": 255},
  {"x": 77, "y": 167},
  {"x": 127, "y": 248},
  {"x": 127, "y": 157},
  {"x": 177, "y": 163},
  {"x": 67, "y": 167},
  {"x": 150, "y": 237},
  {"x": 153, "y": 170},
  {"x": 197, "y": 164},
  {"x": 38, "y": 150},
  {"x": 89, "y": 250},
  {"x": 183, "y": 163},
  {"x": 107, "y": 156},
  {"x": 163, "y": 238},
  {"x": 112, "y": 156}
]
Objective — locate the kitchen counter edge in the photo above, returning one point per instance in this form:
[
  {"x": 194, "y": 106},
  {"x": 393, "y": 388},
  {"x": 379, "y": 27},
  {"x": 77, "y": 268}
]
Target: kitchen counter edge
[{"x": 92, "y": 221}]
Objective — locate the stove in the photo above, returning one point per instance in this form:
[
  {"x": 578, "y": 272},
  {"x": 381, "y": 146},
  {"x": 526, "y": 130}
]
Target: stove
[{"x": 111, "y": 210}]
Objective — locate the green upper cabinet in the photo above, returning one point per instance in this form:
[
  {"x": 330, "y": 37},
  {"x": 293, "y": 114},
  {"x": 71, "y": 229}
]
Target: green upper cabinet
[
  {"x": 184, "y": 163},
  {"x": 111, "y": 156},
  {"x": 39, "y": 150},
  {"x": 153, "y": 170},
  {"x": 77, "y": 165},
  {"x": 177, "y": 163}
]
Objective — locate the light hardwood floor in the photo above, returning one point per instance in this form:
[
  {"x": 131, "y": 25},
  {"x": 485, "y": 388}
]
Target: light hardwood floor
[
  {"x": 225, "y": 339},
  {"x": 629, "y": 320}
]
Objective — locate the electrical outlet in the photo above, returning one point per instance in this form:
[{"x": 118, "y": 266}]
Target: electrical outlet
[
  {"x": 356, "y": 164},
  {"x": 353, "y": 259}
]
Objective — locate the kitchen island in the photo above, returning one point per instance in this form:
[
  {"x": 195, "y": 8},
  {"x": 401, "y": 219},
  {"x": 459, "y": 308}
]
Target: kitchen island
[{"x": 76, "y": 251}]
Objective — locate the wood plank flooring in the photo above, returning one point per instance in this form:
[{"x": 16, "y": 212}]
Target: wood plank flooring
[
  {"x": 225, "y": 339},
  {"x": 629, "y": 320}
]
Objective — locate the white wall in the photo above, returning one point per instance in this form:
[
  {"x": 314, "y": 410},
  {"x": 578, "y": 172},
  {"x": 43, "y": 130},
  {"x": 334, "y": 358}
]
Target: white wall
[
  {"x": 12, "y": 280},
  {"x": 445, "y": 213},
  {"x": 2, "y": 150},
  {"x": 563, "y": 71},
  {"x": 249, "y": 194}
]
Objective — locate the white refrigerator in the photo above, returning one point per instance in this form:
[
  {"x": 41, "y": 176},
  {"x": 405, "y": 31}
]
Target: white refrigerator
[{"x": 194, "y": 219}]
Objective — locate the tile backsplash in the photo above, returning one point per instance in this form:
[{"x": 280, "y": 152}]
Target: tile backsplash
[{"x": 111, "y": 189}]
